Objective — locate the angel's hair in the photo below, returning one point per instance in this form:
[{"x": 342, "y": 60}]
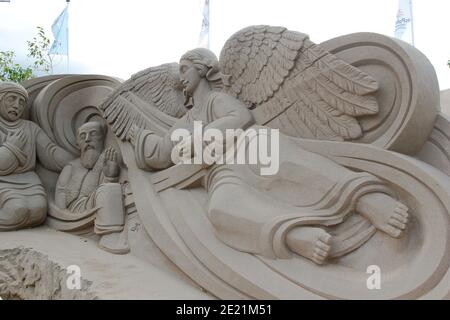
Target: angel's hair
[{"x": 207, "y": 64}]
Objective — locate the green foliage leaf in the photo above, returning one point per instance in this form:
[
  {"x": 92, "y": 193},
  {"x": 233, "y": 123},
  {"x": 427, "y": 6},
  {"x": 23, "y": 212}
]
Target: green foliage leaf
[
  {"x": 37, "y": 51},
  {"x": 11, "y": 71}
]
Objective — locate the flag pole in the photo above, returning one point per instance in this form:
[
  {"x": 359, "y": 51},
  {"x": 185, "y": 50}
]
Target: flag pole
[
  {"x": 412, "y": 22},
  {"x": 209, "y": 25},
  {"x": 68, "y": 63}
]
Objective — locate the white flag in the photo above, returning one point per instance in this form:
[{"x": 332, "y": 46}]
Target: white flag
[
  {"x": 404, "y": 22},
  {"x": 204, "y": 33}
]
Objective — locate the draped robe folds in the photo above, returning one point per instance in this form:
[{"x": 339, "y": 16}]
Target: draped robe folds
[
  {"x": 308, "y": 189},
  {"x": 18, "y": 179}
]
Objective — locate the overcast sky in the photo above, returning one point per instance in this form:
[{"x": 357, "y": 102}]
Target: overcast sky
[{"x": 119, "y": 38}]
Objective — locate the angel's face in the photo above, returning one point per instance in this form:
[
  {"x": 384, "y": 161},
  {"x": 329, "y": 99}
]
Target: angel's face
[
  {"x": 189, "y": 76},
  {"x": 12, "y": 106}
]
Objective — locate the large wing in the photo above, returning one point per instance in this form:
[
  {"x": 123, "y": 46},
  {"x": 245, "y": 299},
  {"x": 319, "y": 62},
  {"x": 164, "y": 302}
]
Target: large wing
[
  {"x": 152, "y": 98},
  {"x": 293, "y": 84}
]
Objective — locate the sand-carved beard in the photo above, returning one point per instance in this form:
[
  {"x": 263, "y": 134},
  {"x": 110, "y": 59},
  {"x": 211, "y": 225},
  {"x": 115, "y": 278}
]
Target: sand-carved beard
[
  {"x": 188, "y": 99},
  {"x": 89, "y": 156}
]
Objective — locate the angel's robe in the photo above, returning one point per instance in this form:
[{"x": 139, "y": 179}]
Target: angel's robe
[
  {"x": 309, "y": 189},
  {"x": 221, "y": 111},
  {"x": 18, "y": 179}
]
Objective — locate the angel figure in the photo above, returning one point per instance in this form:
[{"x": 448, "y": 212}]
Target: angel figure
[{"x": 312, "y": 207}]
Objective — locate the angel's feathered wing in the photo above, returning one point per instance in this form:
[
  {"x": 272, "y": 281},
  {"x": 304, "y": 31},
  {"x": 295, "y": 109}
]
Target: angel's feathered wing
[
  {"x": 288, "y": 80},
  {"x": 152, "y": 98}
]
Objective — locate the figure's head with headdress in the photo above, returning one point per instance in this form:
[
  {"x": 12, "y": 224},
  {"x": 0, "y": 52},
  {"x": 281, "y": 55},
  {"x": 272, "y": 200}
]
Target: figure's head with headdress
[{"x": 13, "y": 101}]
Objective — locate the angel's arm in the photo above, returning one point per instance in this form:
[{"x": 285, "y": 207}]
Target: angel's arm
[
  {"x": 229, "y": 113},
  {"x": 152, "y": 151},
  {"x": 50, "y": 155}
]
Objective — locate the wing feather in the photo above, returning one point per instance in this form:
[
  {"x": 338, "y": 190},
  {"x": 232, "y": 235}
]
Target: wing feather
[
  {"x": 343, "y": 74},
  {"x": 342, "y": 124},
  {"x": 310, "y": 120},
  {"x": 277, "y": 72},
  {"x": 155, "y": 88},
  {"x": 347, "y": 102},
  {"x": 250, "y": 52}
]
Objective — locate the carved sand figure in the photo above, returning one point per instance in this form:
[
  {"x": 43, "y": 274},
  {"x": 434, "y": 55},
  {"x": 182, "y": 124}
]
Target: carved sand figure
[
  {"x": 363, "y": 183},
  {"x": 249, "y": 219},
  {"x": 23, "y": 202},
  {"x": 230, "y": 227},
  {"x": 91, "y": 184}
]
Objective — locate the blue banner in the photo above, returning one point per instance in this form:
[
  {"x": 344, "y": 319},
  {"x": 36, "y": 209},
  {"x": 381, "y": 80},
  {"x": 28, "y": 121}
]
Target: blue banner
[{"x": 60, "y": 31}]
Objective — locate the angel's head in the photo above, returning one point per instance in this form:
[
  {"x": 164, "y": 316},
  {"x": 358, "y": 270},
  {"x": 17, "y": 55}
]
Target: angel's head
[
  {"x": 13, "y": 101},
  {"x": 200, "y": 64}
]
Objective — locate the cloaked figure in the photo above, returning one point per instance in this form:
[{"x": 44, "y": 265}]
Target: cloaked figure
[
  {"x": 23, "y": 201},
  {"x": 90, "y": 184}
]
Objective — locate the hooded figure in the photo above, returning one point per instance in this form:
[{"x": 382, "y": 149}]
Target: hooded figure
[{"x": 23, "y": 202}]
